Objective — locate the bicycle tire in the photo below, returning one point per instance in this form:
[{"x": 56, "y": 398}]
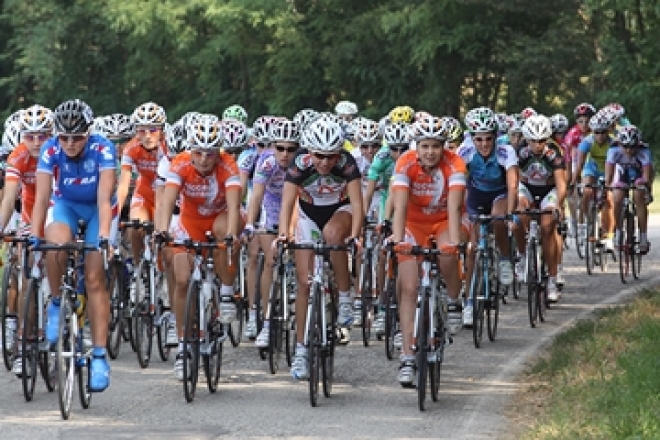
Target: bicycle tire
[
  {"x": 623, "y": 246},
  {"x": 435, "y": 367},
  {"x": 144, "y": 334},
  {"x": 636, "y": 255},
  {"x": 579, "y": 242},
  {"x": 191, "y": 342},
  {"x": 47, "y": 370},
  {"x": 83, "y": 373},
  {"x": 590, "y": 242},
  {"x": 542, "y": 290},
  {"x": 422, "y": 350},
  {"x": 328, "y": 352},
  {"x": 532, "y": 285},
  {"x": 277, "y": 324},
  {"x": 118, "y": 304},
  {"x": 161, "y": 333},
  {"x": 390, "y": 319},
  {"x": 493, "y": 315},
  {"x": 314, "y": 348},
  {"x": 235, "y": 329},
  {"x": 30, "y": 341},
  {"x": 66, "y": 360},
  {"x": 477, "y": 290},
  {"x": 7, "y": 351},
  {"x": 213, "y": 361},
  {"x": 367, "y": 305}
]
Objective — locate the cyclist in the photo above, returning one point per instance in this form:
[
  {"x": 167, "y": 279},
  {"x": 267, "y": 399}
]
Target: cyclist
[
  {"x": 346, "y": 110},
  {"x": 559, "y": 124},
  {"x": 592, "y": 153},
  {"x": 542, "y": 177},
  {"x": 235, "y": 112},
  {"x": 141, "y": 156},
  {"x": 326, "y": 179},
  {"x": 402, "y": 113},
  {"x": 492, "y": 185},
  {"x": 77, "y": 174},
  {"x": 397, "y": 139},
  {"x": 368, "y": 140},
  {"x": 266, "y": 196},
  {"x": 234, "y": 138},
  {"x": 36, "y": 126},
  {"x": 428, "y": 189},
  {"x": 629, "y": 163},
  {"x": 454, "y": 133},
  {"x": 209, "y": 186}
]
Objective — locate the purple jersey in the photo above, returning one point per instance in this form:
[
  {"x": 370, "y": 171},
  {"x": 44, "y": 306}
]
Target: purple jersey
[{"x": 270, "y": 174}]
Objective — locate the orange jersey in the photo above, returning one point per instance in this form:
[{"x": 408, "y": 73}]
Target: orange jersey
[
  {"x": 203, "y": 197},
  {"x": 427, "y": 202},
  {"x": 22, "y": 168},
  {"x": 136, "y": 158}
]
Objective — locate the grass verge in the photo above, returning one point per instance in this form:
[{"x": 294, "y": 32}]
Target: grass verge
[{"x": 601, "y": 379}]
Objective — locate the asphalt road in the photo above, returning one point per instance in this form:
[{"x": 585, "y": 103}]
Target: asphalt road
[{"x": 367, "y": 402}]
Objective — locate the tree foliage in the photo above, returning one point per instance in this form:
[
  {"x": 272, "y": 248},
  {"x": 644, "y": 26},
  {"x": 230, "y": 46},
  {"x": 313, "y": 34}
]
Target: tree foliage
[{"x": 277, "y": 56}]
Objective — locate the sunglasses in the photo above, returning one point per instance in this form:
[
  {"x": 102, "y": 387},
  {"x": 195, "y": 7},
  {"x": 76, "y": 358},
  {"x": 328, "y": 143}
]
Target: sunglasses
[
  {"x": 71, "y": 137},
  {"x": 600, "y": 132},
  {"x": 538, "y": 141},
  {"x": 321, "y": 156},
  {"x": 282, "y": 149},
  {"x": 398, "y": 148},
  {"x": 370, "y": 146},
  {"x": 483, "y": 139},
  {"x": 261, "y": 144},
  {"x": 33, "y": 137},
  {"x": 150, "y": 130}
]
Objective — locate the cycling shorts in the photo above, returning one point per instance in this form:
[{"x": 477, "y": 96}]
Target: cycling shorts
[
  {"x": 546, "y": 195},
  {"x": 138, "y": 201},
  {"x": 310, "y": 224},
  {"x": 484, "y": 199},
  {"x": 591, "y": 170},
  {"x": 70, "y": 213},
  {"x": 418, "y": 234}
]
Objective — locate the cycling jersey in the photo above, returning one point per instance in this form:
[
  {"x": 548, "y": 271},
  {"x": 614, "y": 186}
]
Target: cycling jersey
[
  {"x": 538, "y": 170},
  {"x": 203, "y": 197},
  {"x": 144, "y": 162},
  {"x": 269, "y": 173},
  {"x": 628, "y": 167},
  {"x": 487, "y": 174},
  {"x": 247, "y": 160},
  {"x": 363, "y": 166},
  {"x": 427, "y": 202},
  {"x": 381, "y": 171},
  {"x": 77, "y": 179},
  {"x": 597, "y": 153},
  {"x": 22, "y": 168}
]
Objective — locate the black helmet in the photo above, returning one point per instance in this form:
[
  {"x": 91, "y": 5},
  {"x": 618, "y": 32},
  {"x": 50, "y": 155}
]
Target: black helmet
[{"x": 73, "y": 116}]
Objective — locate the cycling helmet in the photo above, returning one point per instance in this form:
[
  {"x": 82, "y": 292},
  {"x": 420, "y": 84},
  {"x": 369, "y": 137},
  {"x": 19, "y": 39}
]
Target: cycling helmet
[
  {"x": 205, "y": 133},
  {"x": 527, "y": 112},
  {"x": 515, "y": 124},
  {"x": 14, "y": 117},
  {"x": 402, "y": 113},
  {"x": 324, "y": 137},
  {"x": 537, "y": 127},
  {"x": 397, "y": 133},
  {"x": 175, "y": 138},
  {"x": 235, "y": 112},
  {"x": 189, "y": 118},
  {"x": 285, "y": 131},
  {"x": 600, "y": 122},
  {"x": 36, "y": 118},
  {"x": 149, "y": 113},
  {"x": 118, "y": 125},
  {"x": 346, "y": 108},
  {"x": 629, "y": 136},
  {"x": 454, "y": 129},
  {"x": 559, "y": 123},
  {"x": 261, "y": 128},
  {"x": 305, "y": 117},
  {"x": 502, "y": 122},
  {"x": 617, "y": 109},
  {"x": 584, "y": 109},
  {"x": 235, "y": 135},
  {"x": 11, "y": 137},
  {"x": 73, "y": 116},
  {"x": 366, "y": 130},
  {"x": 429, "y": 128},
  {"x": 481, "y": 120},
  {"x": 421, "y": 115}
]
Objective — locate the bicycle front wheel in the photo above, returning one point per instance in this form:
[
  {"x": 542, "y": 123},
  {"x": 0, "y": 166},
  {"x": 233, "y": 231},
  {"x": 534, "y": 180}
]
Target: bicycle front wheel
[
  {"x": 493, "y": 314},
  {"x": 8, "y": 284},
  {"x": 366, "y": 291},
  {"x": 314, "y": 348},
  {"x": 191, "y": 342},
  {"x": 390, "y": 319},
  {"x": 213, "y": 361},
  {"x": 277, "y": 325},
  {"x": 30, "y": 341},
  {"x": 118, "y": 307},
  {"x": 435, "y": 363},
  {"x": 144, "y": 323},
  {"x": 532, "y": 285},
  {"x": 624, "y": 245},
  {"x": 422, "y": 350},
  {"x": 591, "y": 240},
  {"x": 66, "y": 357},
  {"x": 478, "y": 294}
]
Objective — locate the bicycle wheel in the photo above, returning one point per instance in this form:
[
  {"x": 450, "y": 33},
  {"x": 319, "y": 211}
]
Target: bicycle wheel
[
  {"x": 235, "y": 329},
  {"x": 30, "y": 341},
  {"x": 366, "y": 292},
  {"x": 314, "y": 341},
  {"x": 591, "y": 240},
  {"x": 83, "y": 366},
  {"x": 66, "y": 358},
  {"x": 579, "y": 241},
  {"x": 422, "y": 350},
  {"x": 635, "y": 254},
  {"x": 213, "y": 361},
  {"x": 47, "y": 367},
  {"x": 143, "y": 335},
  {"x": 277, "y": 325},
  {"x": 161, "y": 332},
  {"x": 390, "y": 318},
  {"x": 624, "y": 246},
  {"x": 435, "y": 365},
  {"x": 328, "y": 352},
  {"x": 191, "y": 342},
  {"x": 478, "y": 301},
  {"x": 532, "y": 285},
  {"x": 118, "y": 304},
  {"x": 8, "y": 350},
  {"x": 493, "y": 314},
  {"x": 542, "y": 291}
]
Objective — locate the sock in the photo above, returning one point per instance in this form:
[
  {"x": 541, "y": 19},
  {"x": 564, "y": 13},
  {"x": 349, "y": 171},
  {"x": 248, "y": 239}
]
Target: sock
[
  {"x": 180, "y": 345},
  {"x": 266, "y": 324},
  {"x": 98, "y": 351},
  {"x": 253, "y": 315},
  {"x": 226, "y": 290},
  {"x": 301, "y": 349},
  {"x": 344, "y": 297}
]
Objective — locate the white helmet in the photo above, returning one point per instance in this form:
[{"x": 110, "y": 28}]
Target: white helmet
[
  {"x": 14, "y": 117},
  {"x": 397, "y": 134},
  {"x": 429, "y": 127},
  {"x": 366, "y": 130},
  {"x": 114, "y": 126},
  {"x": 324, "y": 137},
  {"x": 235, "y": 135},
  {"x": 284, "y": 131},
  {"x": 205, "y": 133},
  {"x": 149, "y": 113},
  {"x": 481, "y": 120},
  {"x": 537, "y": 127},
  {"x": 559, "y": 123},
  {"x": 305, "y": 117},
  {"x": 600, "y": 122},
  {"x": 11, "y": 137},
  {"x": 502, "y": 122},
  {"x": 175, "y": 138},
  {"x": 36, "y": 118},
  {"x": 346, "y": 108}
]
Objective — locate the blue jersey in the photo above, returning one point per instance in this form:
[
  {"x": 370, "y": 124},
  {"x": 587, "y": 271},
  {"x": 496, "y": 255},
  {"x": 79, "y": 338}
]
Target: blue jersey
[
  {"x": 487, "y": 173},
  {"x": 77, "y": 179}
]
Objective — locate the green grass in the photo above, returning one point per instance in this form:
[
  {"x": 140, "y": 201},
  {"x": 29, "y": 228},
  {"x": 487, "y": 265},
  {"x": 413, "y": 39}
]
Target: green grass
[
  {"x": 655, "y": 206},
  {"x": 599, "y": 380}
]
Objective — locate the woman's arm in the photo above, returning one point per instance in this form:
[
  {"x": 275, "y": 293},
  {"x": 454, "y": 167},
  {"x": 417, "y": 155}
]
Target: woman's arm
[
  {"x": 289, "y": 194},
  {"x": 354, "y": 189},
  {"x": 44, "y": 190},
  {"x": 8, "y": 202},
  {"x": 106, "y": 189},
  {"x": 254, "y": 204},
  {"x": 400, "y": 205},
  {"x": 167, "y": 201}
]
